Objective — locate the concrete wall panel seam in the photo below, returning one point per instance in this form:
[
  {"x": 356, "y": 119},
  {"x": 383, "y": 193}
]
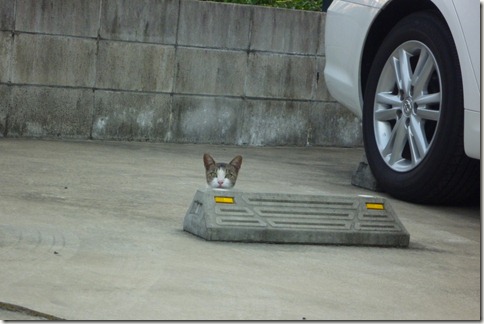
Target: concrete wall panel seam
[{"x": 169, "y": 71}]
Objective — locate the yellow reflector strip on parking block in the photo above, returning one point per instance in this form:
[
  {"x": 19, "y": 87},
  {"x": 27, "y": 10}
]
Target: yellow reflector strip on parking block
[
  {"x": 224, "y": 200},
  {"x": 377, "y": 206}
]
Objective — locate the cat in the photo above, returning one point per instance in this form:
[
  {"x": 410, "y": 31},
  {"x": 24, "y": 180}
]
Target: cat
[{"x": 221, "y": 175}]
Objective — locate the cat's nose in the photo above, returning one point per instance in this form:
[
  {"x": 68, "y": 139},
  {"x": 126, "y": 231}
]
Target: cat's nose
[{"x": 220, "y": 182}]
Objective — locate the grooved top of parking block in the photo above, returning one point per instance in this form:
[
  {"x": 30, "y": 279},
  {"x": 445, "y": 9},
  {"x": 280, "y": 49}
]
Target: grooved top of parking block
[{"x": 223, "y": 215}]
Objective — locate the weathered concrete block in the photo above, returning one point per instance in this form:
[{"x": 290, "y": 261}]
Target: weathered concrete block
[
  {"x": 53, "y": 60},
  {"x": 206, "y": 119},
  {"x": 216, "y": 72},
  {"x": 62, "y": 17},
  {"x": 5, "y": 54},
  {"x": 131, "y": 116},
  {"x": 282, "y": 76},
  {"x": 46, "y": 111},
  {"x": 269, "y": 122},
  {"x": 321, "y": 47},
  {"x": 151, "y": 21},
  {"x": 332, "y": 125},
  {"x": 207, "y": 24},
  {"x": 135, "y": 66},
  {"x": 235, "y": 216},
  {"x": 236, "y": 74},
  {"x": 7, "y": 14},
  {"x": 363, "y": 176},
  {"x": 5, "y": 102},
  {"x": 320, "y": 90},
  {"x": 286, "y": 31}
]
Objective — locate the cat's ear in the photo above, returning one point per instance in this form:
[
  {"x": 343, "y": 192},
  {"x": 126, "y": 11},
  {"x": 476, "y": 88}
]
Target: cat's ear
[
  {"x": 236, "y": 162},
  {"x": 208, "y": 161}
]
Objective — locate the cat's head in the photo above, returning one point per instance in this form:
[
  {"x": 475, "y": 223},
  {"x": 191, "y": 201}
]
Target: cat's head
[{"x": 221, "y": 175}]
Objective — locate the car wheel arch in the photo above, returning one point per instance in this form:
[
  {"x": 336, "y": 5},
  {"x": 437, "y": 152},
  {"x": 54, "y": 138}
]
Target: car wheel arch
[{"x": 389, "y": 16}]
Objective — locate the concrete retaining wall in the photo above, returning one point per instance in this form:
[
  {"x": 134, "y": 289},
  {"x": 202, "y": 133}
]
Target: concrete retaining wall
[{"x": 167, "y": 70}]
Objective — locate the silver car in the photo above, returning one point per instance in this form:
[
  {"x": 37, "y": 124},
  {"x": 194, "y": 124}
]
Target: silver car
[{"x": 410, "y": 69}]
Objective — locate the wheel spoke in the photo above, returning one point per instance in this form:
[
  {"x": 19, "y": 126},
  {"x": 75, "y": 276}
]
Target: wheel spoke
[
  {"x": 398, "y": 77},
  {"x": 399, "y": 142},
  {"x": 427, "y": 99},
  {"x": 415, "y": 158},
  {"x": 396, "y": 143},
  {"x": 386, "y": 98},
  {"x": 417, "y": 141},
  {"x": 423, "y": 71},
  {"x": 387, "y": 150},
  {"x": 428, "y": 114},
  {"x": 405, "y": 71},
  {"x": 387, "y": 114}
]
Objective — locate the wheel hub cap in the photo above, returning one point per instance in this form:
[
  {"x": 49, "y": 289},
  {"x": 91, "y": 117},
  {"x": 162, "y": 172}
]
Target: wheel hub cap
[{"x": 407, "y": 106}]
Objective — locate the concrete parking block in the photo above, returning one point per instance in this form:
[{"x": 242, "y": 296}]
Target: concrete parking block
[{"x": 226, "y": 215}]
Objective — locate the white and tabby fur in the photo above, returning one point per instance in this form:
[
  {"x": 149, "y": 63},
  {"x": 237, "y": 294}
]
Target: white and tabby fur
[{"x": 221, "y": 175}]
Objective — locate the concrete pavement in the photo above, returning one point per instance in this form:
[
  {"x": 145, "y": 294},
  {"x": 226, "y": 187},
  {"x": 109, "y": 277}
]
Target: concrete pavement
[{"x": 93, "y": 230}]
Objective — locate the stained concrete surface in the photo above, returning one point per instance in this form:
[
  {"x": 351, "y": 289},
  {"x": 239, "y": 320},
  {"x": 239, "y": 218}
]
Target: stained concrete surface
[
  {"x": 93, "y": 230},
  {"x": 168, "y": 71}
]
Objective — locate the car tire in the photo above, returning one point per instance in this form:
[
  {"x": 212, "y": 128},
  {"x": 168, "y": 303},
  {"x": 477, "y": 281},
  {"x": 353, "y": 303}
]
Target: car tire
[{"x": 413, "y": 115}]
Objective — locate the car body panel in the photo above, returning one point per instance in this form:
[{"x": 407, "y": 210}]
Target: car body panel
[
  {"x": 347, "y": 25},
  {"x": 369, "y": 3},
  {"x": 471, "y": 33},
  {"x": 342, "y": 68},
  {"x": 472, "y": 133}
]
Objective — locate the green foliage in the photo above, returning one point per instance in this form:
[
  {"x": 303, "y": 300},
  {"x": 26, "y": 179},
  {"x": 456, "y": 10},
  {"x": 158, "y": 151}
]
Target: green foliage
[{"x": 314, "y": 5}]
